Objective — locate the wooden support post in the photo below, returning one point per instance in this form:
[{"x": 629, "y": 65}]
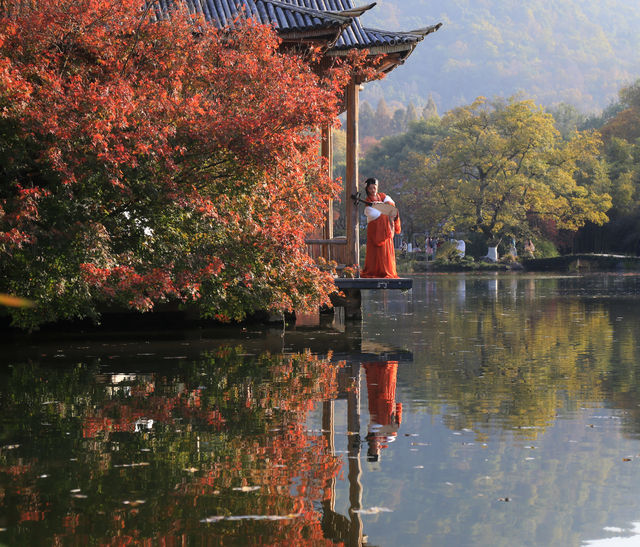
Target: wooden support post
[
  {"x": 329, "y": 435},
  {"x": 351, "y": 302},
  {"x": 351, "y": 180},
  {"x": 327, "y": 154},
  {"x": 353, "y": 448}
]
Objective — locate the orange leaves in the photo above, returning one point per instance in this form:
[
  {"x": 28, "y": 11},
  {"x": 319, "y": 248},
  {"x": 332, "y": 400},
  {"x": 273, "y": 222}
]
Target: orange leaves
[{"x": 197, "y": 154}]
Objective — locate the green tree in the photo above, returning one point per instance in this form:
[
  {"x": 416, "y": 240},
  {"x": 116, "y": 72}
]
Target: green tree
[
  {"x": 430, "y": 110},
  {"x": 411, "y": 115},
  {"x": 367, "y": 120},
  {"x": 399, "y": 121},
  {"x": 504, "y": 164},
  {"x": 392, "y": 162},
  {"x": 383, "y": 119},
  {"x": 568, "y": 118},
  {"x": 619, "y": 125}
]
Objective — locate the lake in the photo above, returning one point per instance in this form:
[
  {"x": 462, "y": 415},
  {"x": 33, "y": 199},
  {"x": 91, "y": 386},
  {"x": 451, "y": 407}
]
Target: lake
[{"x": 472, "y": 410}]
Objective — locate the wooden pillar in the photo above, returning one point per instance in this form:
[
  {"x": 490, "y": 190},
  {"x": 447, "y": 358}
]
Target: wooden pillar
[
  {"x": 328, "y": 430},
  {"x": 351, "y": 179},
  {"x": 327, "y": 153}
]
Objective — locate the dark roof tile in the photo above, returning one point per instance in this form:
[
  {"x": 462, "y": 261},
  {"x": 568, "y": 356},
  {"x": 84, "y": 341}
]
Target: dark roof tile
[
  {"x": 296, "y": 16},
  {"x": 283, "y": 14}
]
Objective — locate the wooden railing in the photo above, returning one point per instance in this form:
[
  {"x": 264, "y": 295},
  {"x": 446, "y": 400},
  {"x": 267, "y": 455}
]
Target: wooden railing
[{"x": 329, "y": 249}]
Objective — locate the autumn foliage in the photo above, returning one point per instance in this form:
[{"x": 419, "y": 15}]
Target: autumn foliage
[{"x": 147, "y": 157}]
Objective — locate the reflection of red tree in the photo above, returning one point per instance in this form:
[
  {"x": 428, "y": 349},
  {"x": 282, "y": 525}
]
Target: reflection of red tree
[
  {"x": 115, "y": 416},
  {"x": 383, "y": 409},
  {"x": 273, "y": 465},
  {"x": 260, "y": 431}
]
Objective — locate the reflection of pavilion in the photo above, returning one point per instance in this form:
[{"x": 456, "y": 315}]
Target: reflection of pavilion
[{"x": 385, "y": 415}]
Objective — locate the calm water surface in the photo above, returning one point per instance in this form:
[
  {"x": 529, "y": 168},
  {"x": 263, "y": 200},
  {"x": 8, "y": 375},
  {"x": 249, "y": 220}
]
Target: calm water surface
[{"x": 472, "y": 410}]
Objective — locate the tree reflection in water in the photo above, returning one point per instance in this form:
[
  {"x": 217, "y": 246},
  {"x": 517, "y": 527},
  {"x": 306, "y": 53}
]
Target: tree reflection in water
[
  {"x": 510, "y": 388},
  {"x": 214, "y": 451}
]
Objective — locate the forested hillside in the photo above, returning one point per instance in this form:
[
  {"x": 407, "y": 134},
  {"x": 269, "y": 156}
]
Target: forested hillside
[{"x": 574, "y": 51}]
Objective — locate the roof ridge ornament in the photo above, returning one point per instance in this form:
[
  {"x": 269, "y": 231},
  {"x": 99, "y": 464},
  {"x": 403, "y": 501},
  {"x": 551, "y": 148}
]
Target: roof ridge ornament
[
  {"x": 423, "y": 31},
  {"x": 355, "y": 12}
]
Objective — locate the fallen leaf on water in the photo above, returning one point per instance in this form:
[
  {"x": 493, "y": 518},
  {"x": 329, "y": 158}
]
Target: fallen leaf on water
[
  {"x": 135, "y": 503},
  {"x": 246, "y": 488},
  {"x": 252, "y": 517},
  {"x": 373, "y": 510}
]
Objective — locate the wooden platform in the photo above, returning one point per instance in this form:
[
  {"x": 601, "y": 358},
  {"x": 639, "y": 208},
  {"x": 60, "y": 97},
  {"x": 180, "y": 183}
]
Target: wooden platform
[{"x": 401, "y": 283}]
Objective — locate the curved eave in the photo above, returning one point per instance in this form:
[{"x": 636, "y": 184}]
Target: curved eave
[
  {"x": 356, "y": 12},
  {"x": 375, "y": 50},
  {"x": 358, "y": 37}
]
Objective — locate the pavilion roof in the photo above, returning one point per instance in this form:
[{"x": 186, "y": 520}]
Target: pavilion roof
[
  {"x": 338, "y": 19},
  {"x": 286, "y": 16}
]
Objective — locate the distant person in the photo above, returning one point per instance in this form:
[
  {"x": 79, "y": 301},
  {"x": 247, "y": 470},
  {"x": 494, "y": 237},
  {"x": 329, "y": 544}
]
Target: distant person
[
  {"x": 428, "y": 247},
  {"x": 512, "y": 249},
  {"x": 530, "y": 249},
  {"x": 380, "y": 260}
]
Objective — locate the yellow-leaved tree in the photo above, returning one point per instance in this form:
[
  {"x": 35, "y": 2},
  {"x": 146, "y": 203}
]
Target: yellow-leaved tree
[{"x": 502, "y": 167}]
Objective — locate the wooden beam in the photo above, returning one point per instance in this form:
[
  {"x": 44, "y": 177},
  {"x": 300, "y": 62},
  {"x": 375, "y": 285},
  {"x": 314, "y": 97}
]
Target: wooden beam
[
  {"x": 351, "y": 179},
  {"x": 332, "y": 241}
]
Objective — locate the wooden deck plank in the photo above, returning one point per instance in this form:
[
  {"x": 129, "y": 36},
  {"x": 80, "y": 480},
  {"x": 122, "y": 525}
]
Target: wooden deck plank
[{"x": 401, "y": 283}]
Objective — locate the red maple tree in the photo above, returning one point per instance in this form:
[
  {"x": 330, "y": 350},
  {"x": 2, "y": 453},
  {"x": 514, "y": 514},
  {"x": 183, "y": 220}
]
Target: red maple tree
[{"x": 146, "y": 159}]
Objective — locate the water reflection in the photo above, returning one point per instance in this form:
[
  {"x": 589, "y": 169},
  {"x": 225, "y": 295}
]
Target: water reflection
[
  {"x": 211, "y": 450},
  {"x": 385, "y": 415},
  {"x": 473, "y": 410}
]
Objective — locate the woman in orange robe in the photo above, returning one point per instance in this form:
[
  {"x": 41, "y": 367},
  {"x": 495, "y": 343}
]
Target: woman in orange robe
[{"x": 380, "y": 260}]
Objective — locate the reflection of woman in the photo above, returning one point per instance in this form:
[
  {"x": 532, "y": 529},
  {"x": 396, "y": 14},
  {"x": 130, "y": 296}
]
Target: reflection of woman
[
  {"x": 385, "y": 414},
  {"x": 380, "y": 260}
]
